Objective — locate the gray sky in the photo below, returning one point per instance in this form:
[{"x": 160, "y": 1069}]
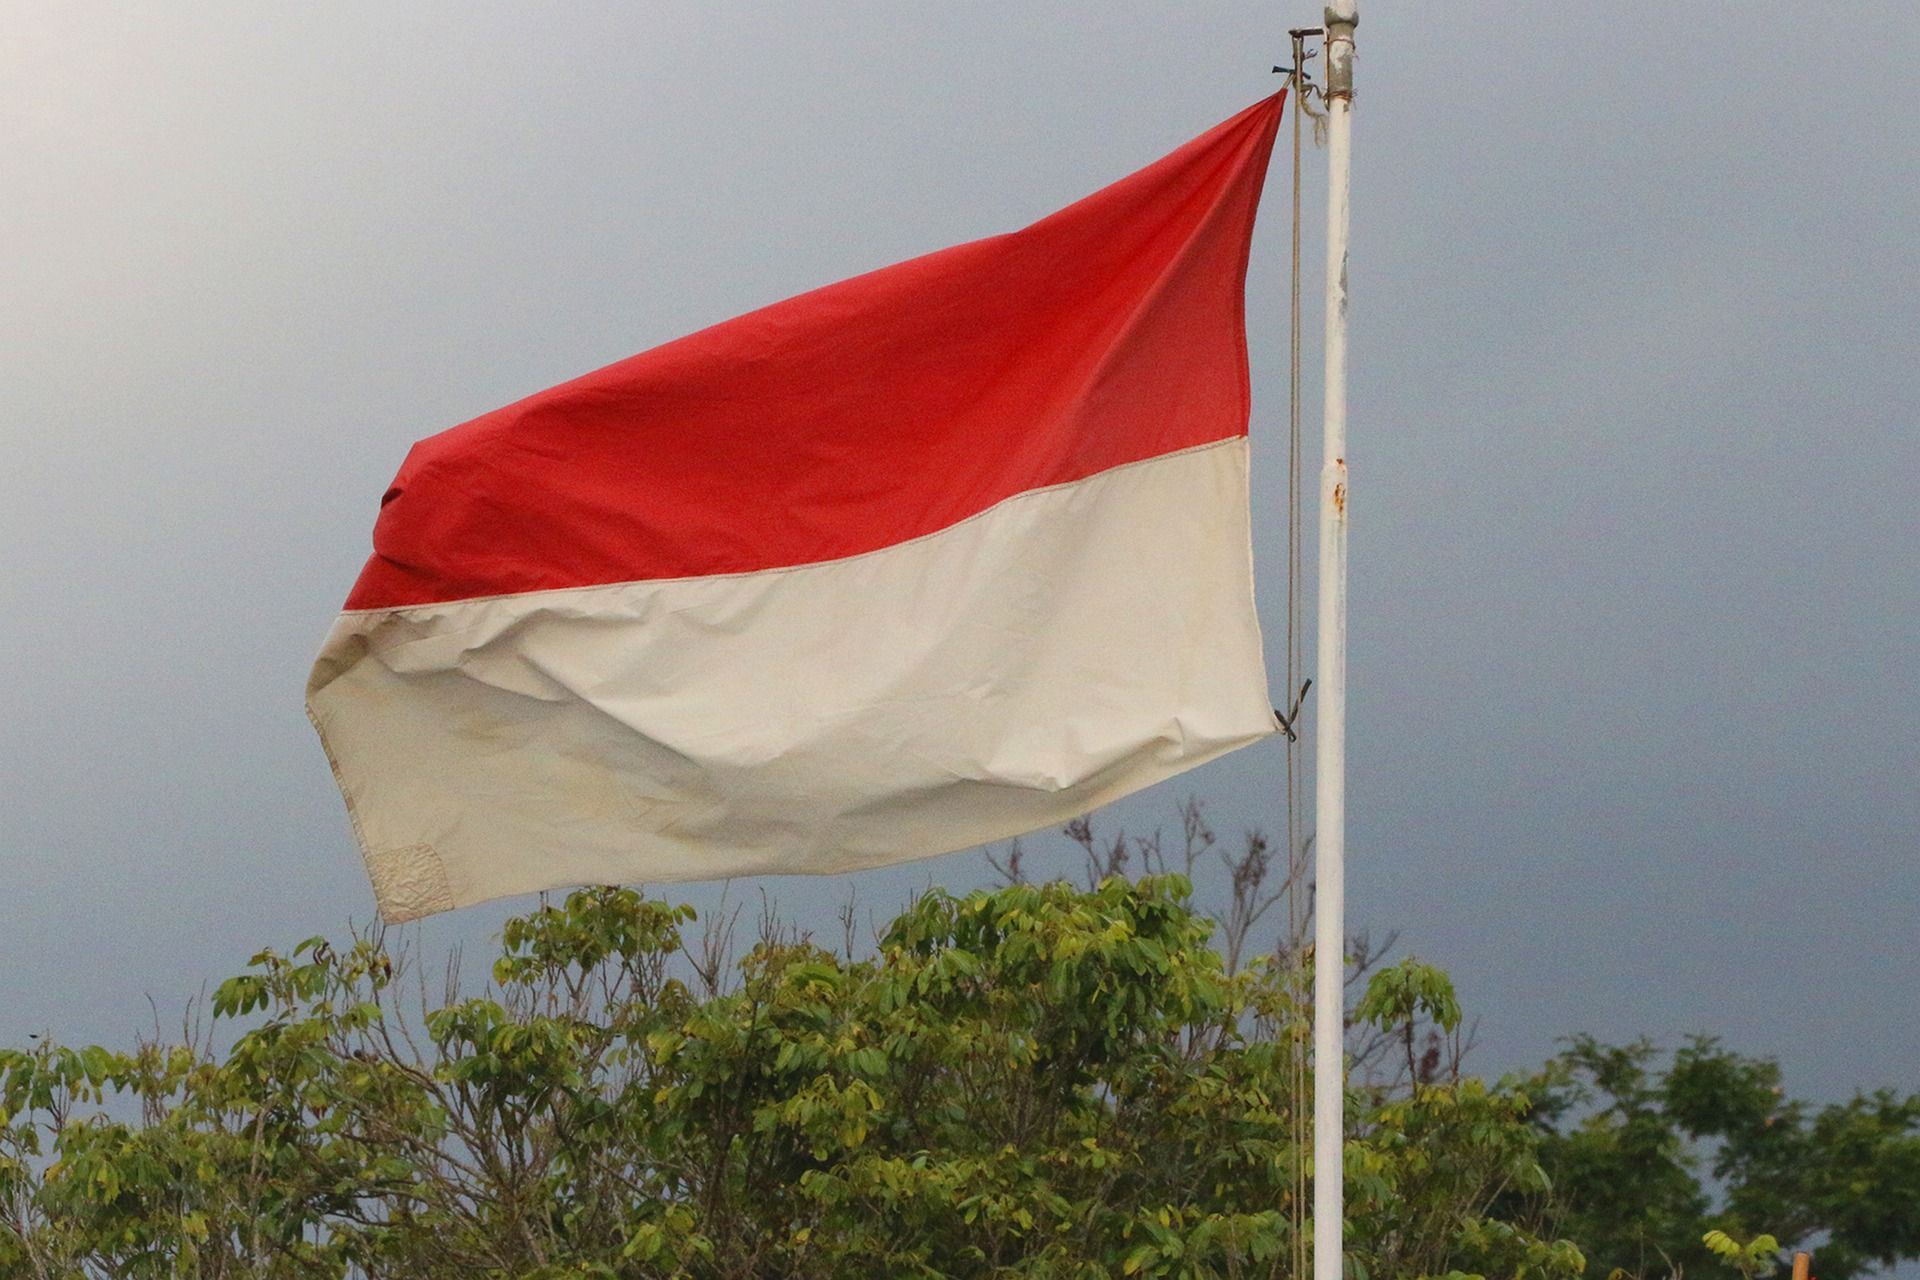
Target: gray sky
[{"x": 1635, "y": 587}]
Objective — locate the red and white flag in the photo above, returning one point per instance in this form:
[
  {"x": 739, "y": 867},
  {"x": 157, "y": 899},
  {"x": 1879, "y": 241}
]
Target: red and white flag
[{"x": 914, "y": 562}]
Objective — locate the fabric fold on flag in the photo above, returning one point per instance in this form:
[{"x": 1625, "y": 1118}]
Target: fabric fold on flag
[{"x": 914, "y": 562}]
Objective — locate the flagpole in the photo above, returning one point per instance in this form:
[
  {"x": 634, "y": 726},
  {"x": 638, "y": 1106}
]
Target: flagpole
[{"x": 1330, "y": 726}]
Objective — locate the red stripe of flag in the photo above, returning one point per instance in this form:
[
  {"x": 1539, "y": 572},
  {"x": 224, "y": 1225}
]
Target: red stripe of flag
[{"x": 861, "y": 415}]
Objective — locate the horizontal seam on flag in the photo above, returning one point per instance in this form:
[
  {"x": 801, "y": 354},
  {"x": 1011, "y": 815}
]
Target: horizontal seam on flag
[{"x": 390, "y": 610}]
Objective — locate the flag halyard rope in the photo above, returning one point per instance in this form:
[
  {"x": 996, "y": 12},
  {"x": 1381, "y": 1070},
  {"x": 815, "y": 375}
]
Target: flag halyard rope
[{"x": 1299, "y": 901}]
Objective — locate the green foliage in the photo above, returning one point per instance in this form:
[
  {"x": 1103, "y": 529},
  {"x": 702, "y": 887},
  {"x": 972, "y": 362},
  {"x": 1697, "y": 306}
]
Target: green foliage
[
  {"x": 1660, "y": 1163},
  {"x": 1029, "y": 1082},
  {"x": 1756, "y": 1257}
]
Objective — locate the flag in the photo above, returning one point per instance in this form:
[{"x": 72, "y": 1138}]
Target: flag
[{"x": 921, "y": 560}]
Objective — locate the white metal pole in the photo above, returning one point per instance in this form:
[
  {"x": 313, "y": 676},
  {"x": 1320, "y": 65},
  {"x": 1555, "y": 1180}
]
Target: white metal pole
[{"x": 1330, "y": 726}]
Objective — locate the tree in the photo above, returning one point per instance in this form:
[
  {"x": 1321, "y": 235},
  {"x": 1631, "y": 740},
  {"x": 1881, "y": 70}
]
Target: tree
[
  {"x": 1034, "y": 1081},
  {"x": 1654, "y": 1155}
]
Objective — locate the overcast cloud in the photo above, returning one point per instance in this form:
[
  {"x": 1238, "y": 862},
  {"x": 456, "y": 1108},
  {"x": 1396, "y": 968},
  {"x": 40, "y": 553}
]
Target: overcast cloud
[{"x": 1635, "y": 584}]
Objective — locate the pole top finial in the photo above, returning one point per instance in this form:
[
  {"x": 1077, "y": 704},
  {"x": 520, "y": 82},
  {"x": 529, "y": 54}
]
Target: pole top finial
[{"x": 1344, "y": 13}]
